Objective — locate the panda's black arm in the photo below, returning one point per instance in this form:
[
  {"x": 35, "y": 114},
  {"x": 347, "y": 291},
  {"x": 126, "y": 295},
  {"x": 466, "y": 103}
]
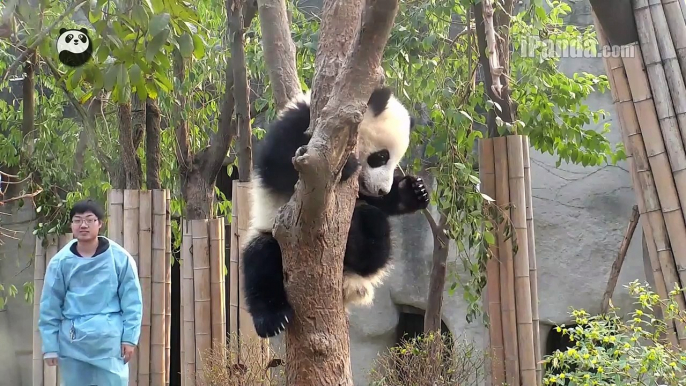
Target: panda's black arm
[{"x": 408, "y": 194}]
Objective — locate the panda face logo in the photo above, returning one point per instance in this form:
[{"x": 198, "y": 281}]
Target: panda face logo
[{"x": 74, "y": 47}]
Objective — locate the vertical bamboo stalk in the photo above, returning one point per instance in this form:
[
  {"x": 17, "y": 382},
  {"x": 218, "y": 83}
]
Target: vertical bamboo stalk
[
  {"x": 201, "y": 282},
  {"x": 525, "y": 331},
  {"x": 131, "y": 222},
  {"x": 224, "y": 269},
  {"x": 188, "y": 302},
  {"x": 167, "y": 283},
  {"x": 145, "y": 277},
  {"x": 216, "y": 288},
  {"x": 495, "y": 328},
  {"x": 50, "y": 372},
  {"x": 39, "y": 265},
  {"x": 649, "y": 158},
  {"x": 628, "y": 123},
  {"x": 234, "y": 251},
  {"x": 507, "y": 273},
  {"x": 533, "y": 269},
  {"x": 158, "y": 317},
  {"x": 115, "y": 222},
  {"x": 677, "y": 30},
  {"x": 666, "y": 182}
]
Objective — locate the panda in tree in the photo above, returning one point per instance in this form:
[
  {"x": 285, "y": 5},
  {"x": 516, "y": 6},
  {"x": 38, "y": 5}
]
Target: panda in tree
[{"x": 383, "y": 138}]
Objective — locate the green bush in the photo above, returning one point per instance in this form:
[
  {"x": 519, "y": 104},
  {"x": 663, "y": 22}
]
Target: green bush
[{"x": 610, "y": 350}]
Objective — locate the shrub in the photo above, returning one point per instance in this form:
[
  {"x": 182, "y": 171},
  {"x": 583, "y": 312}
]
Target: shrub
[
  {"x": 456, "y": 362},
  {"x": 609, "y": 350}
]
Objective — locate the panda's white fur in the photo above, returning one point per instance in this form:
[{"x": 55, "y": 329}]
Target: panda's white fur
[{"x": 383, "y": 138}]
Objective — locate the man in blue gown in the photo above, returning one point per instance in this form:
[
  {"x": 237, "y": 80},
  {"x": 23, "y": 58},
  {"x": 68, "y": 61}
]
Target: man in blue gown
[{"x": 91, "y": 307}]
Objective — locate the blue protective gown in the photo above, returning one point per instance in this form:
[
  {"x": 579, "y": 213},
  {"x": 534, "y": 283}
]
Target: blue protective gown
[{"x": 88, "y": 308}]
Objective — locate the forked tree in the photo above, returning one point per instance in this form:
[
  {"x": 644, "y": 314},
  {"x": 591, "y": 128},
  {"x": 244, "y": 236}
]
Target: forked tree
[{"x": 312, "y": 227}]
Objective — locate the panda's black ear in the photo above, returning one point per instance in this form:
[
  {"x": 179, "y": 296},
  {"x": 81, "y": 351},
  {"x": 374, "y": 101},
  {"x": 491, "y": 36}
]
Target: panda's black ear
[
  {"x": 379, "y": 100},
  {"x": 85, "y": 31},
  {"x": 62, "y": 30}
]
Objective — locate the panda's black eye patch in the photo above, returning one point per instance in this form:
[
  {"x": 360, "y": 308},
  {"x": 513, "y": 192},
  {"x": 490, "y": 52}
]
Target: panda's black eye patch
[
  {"x": 82, "y": 37},
  {"x": 69, "y": 38},
  {"x": 378, "y": 159}
]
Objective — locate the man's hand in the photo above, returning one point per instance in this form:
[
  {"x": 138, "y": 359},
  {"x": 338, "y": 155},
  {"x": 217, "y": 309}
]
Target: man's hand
[
  {"x": 51, "y": 361},
  {"x": 127, "y": 352}
]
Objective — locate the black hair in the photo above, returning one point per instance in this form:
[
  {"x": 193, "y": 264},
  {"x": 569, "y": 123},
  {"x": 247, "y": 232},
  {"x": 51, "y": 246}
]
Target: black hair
[{"x": 88, "y": 205}]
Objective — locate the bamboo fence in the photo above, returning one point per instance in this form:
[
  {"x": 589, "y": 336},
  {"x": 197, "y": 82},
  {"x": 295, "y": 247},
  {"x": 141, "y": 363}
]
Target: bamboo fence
[
  {"x": 203, "y": 296},
  {"x": 512, "y": 293},
  {"x": 140, "y": 221},
  {"x": 46, "y": 249},
  {"x": 649, "y": 94}
]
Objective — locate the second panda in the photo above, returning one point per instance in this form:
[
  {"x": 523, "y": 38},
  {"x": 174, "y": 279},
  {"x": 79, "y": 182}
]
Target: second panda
[{"x": 384, "y": 136}]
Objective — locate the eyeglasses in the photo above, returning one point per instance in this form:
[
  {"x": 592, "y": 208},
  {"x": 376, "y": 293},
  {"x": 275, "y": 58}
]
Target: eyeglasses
[{"x": 88, "y": 221}]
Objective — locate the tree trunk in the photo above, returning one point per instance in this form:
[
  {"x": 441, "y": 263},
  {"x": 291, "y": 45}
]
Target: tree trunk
[
  {"x": 241, "y": 92},
  {"x": 432, "y": 315},
  {"x": 312, "y": 228},
  {"x": 279, "y": 51},
  {"x": 153, "y": 154},
  {"x": 199, "y": 171},
  {"x": 129, "y": 158}
]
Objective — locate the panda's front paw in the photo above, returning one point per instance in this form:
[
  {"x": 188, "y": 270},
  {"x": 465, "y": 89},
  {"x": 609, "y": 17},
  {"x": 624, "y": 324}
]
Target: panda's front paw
[
  {"x": 414, "y": 194},
  {"x": 269, "y": 324}
]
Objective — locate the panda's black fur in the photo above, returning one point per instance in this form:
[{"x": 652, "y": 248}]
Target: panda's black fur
[{"x": 382, "y": 141}]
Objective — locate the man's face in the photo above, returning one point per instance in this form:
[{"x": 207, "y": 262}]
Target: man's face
[{"x": 85, "y": 226}]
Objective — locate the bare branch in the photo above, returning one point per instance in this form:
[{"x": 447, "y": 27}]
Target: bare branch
[
  {"x": 241, "y": 93},
  {"x": 153, "y": 155},
  {"x": 494, "y": 63},
  {"x": 279, "y": 51}
]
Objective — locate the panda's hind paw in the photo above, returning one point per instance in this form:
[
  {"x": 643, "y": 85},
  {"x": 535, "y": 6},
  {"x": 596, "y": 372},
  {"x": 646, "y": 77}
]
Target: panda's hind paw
[{"x": 270, "y": 324}]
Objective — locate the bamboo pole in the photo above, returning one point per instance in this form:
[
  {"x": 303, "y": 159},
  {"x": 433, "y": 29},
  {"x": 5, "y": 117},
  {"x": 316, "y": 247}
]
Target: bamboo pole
[
  {"x": 157, "y": 312},
  {"x": 525, "y": 331},
  {"x": 50, "y": 372},
  {"x": 188, "y": 334},
  {"x": 675, "y": 239},
  {"x": 115, "y": 222},
  {"x": 216, "y": 283},
  {"x": 131, "y": 222},
  {"x": 145, "y": 277},
  {"x": 201, "y": 282},
  {"x": 39, "y": 266},
  {"x": 677, "y": 30},
  {"x": 495, "y": 327},
  {"x": 237, "y": 198},
  {"x": 628, "y": 124},
  {"x": 507, "y": 273},
  {"x": 533, "y": 266},
  {"x": 167, "y": 283}
]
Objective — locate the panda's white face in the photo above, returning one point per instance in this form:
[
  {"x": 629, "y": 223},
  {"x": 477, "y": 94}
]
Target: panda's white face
[
  {"x": 73, "y": 41},
  {"x": 382, "y": 142}
]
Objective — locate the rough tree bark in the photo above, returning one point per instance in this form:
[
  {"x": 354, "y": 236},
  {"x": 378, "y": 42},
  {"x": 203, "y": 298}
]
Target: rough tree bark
[
  {"x": 129, "y": 159},
  {"x": 241, "y": 91},
  {"x": 153, "y": 155},
  {"x": 279, "y": 51},
  {"x": 312, "y": 227},
  {"x": 434, "y": 303},
  {"x": 199, "y": 171}
]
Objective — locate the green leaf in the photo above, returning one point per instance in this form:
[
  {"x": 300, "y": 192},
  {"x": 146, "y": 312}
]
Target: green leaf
[
  {"x": 111, "y": 77},
  {"x": 155, "y": 45},
  {"x": 198, "y": 46},
  {"x": 186, "y": 45},
  {"x": 136, "y": 75},
  {"x": 158, "y": 23},
  {"x": 76, "y": 77},
  {"x": 488, "y": 236},
  {"x": 140, "y": 16}
]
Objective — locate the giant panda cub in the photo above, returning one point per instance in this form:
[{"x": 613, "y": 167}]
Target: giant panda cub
[{"x": 383, "y": 138}]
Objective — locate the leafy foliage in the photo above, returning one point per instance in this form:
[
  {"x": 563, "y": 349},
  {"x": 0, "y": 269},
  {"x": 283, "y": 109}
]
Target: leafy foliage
[{"x": 608, "y": 350}]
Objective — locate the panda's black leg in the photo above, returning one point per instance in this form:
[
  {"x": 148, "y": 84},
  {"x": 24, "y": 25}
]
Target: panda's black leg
[
  {"x": 367, "y": 254},
  {"x": 408, "y": 194},
  {"x": 350, "y": 167},
  {"x": 264, "y": 289}
]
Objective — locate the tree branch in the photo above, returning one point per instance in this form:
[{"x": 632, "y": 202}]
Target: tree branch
[
  {"x": 212, "y": 157},
  {"x": 495, "y": 68},
  {"x": 279, "y": 51},
  {"x": 241, "y": 93}
]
